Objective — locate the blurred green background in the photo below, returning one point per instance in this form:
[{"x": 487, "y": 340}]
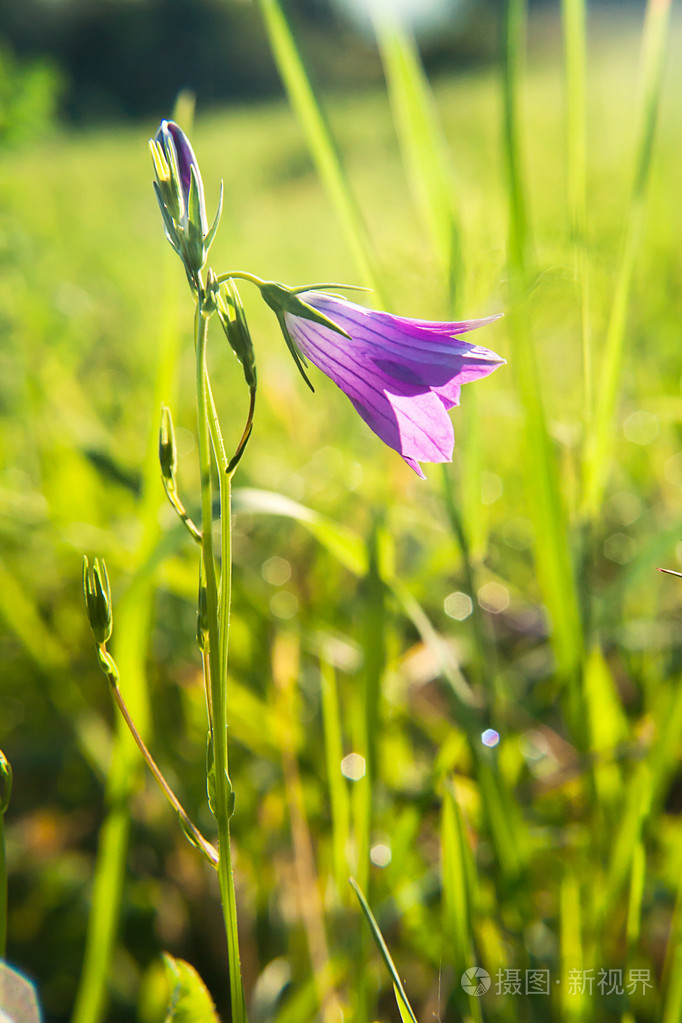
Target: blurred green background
[{"x": 560, "y": 848}]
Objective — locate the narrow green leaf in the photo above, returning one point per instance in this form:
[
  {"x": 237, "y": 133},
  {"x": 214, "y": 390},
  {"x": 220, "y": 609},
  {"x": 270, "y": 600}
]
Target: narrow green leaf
[
  {"x": 544, "y": 492},
  {"x": 457, "y": 881},
  {"x": 672, "y": 1012},
  {"x": 404, "y": 1010},
  {"x": 422, "y": 141},
  {"x": 607, "y": 723},
  {"x": 598, "y": 455},
  {"x": 400, "y": 996},
  {"x": 574, "y": 28},
  {"x": 576, "y": 1003},
  {"x": 323, "y": 150},
  {"x": 637, "y": 876}
]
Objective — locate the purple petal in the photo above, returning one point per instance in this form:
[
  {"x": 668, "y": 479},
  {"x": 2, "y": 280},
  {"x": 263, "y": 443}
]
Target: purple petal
[
  {"x": 410, "y": 418},
  {"x": 401, "y": 375},
  {"x": 397, "y": 328},
  {"x": 170, "y": 133},
  {"x": 449, "y": 394},
  {"x": 417, "y": 427}
]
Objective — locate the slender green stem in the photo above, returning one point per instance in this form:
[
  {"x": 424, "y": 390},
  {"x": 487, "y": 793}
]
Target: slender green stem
[
  {"x": 214, "y": 429},
  {"x": 218, "y": 622},
  {"x": 110, "y": 670},
  {"x": 174, "y": 498},
  {"x": 241, "y": 276}
]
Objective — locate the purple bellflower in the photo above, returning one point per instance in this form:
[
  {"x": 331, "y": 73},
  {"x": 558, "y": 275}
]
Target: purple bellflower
[
  {"x": 401, "y": 375},
  {"x": 180, "y": 194}
]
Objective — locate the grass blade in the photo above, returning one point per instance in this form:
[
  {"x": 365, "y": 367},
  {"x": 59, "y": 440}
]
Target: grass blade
[
  {"x": 404, "y": 1006},
  {"x": 574, "y": 18},
  {"x": 422, "y": 143},
  {"x": 318, "y": 136},
  {"x": 600, "y": 445},
  {"x": 543, "y": 488}
]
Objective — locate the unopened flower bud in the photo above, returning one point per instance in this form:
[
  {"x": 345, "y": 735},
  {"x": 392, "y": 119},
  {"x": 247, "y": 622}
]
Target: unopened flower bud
[
  {"x": 180, "y": 194},
  {"x": 97, "y": 599},
  {"x": 167, "y": 450},
  {"x": 211, "y": 292},
  {"x": 233, "y": 320}
]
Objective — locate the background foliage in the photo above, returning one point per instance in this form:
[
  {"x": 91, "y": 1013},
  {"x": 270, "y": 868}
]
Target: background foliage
[{"x": 558, "y": 848}]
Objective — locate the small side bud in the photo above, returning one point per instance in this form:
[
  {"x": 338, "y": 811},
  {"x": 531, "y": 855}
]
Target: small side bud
[
  {"x": 5, "y": 783},
  {"x": 167, "y": 450},
  {"x": 97, "y": 599},
  {"x": 211, "y": 292},
  {"x": 233, "y": 320}
]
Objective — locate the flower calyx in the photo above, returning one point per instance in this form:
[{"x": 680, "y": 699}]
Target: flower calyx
[{"x": 285, "y": 302}]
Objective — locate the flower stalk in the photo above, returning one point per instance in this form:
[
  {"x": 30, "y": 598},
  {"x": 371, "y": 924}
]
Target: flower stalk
[
  {"x": 217, "y": 615},
  {"x": 98, "y": 603}
]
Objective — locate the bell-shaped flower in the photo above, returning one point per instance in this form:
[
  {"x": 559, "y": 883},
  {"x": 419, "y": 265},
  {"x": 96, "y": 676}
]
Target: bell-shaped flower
[
  {"x": 402, "y": 375},
  {"x": 180, "y": 194}
]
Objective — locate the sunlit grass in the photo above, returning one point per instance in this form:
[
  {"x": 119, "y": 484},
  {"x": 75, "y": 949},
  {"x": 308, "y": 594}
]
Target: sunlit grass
[{"x": 553, "y": 849}]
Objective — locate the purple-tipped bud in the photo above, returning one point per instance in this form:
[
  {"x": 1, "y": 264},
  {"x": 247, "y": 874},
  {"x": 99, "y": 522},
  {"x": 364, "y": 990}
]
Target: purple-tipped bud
[
  {"x": 174, "y": 141},
  {"x": 180, "y": 194}
]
